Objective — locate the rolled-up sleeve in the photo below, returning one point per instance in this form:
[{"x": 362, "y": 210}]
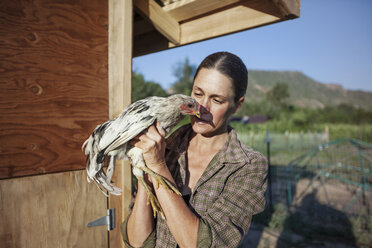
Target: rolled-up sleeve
[
  {"x": 149, "y": 242},
  {"x": 227, "y": 220}
]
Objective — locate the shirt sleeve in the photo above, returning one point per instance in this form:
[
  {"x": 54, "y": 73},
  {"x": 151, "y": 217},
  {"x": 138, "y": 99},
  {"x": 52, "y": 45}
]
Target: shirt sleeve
[
  {"x": 227, "y": 220},
  {"x": 149, "y": 242}
]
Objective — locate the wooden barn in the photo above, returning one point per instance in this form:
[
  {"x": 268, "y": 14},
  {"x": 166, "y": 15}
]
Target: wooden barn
[{"x": 65, "y": 67}]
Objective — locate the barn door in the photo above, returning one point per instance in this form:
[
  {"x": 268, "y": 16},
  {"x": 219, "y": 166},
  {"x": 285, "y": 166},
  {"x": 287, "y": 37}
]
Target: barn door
[{"x": 54, "y": 91}]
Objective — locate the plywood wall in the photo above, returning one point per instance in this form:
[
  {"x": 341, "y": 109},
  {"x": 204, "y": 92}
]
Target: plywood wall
[
  {"x": 53, "y": 82},
  {"x": 51, "y": 211},
  {"x": 53, "y": 92}
]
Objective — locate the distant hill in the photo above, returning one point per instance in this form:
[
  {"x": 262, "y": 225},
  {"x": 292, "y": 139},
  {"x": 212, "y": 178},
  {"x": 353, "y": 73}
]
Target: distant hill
[{"x": 304, "y": 91}]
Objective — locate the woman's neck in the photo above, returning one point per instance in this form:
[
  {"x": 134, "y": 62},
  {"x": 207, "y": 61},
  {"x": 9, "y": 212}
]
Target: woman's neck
[{"x": 212, "y": 143}]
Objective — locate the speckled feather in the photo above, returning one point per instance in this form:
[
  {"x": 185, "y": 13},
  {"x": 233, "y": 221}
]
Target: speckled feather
[{"x": 111, "y": 138}]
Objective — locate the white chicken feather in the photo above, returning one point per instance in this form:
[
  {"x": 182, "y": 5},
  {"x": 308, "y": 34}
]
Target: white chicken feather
[{"x": 111, "y": 139}]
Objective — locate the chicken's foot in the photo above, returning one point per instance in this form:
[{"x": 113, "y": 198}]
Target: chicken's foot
[
  {"x": 161, "y": 180},
  {"x": 151, "y": 198}
]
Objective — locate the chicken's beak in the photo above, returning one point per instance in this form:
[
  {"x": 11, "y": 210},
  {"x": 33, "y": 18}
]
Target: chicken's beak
[{"x": 197, "y": 110}]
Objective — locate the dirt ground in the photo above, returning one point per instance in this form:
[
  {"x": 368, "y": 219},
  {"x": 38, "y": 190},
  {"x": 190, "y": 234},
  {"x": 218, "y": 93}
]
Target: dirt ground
[
  {"x": 335, "y": 194},
  {"x": 320, "y": 203}
]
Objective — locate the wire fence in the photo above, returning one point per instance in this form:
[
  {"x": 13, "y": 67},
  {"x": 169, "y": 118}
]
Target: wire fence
[
  {"x": 326, "y": 186},
  {"x": 340, "y": 172}
]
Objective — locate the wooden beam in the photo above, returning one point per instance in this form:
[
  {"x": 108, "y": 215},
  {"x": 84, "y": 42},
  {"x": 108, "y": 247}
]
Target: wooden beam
[
  {"x": 230, "y": 20},
  {"x": 161, "y": 20},
  {"x": 235, "y": 17},
  {"x": 187, "y": 9},
  {"x": 289, "y": 8},
  {"x": 120, "y": 88}
]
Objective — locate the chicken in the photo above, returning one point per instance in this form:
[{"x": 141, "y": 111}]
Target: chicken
[{"x": 111, "y": 140}]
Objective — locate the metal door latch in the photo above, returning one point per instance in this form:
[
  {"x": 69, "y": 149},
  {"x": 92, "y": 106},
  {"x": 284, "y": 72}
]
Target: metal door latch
[{"x": 108, "y": 220}]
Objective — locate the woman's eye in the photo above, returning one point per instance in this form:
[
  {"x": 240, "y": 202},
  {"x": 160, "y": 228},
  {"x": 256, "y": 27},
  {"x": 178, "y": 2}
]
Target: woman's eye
[
  {"x": 217, "y": 101},
  {"x": 197, "y": 94}
]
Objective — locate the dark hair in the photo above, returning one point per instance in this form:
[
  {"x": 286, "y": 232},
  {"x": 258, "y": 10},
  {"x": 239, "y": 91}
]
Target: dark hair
[{"x": 231, "y": 66}]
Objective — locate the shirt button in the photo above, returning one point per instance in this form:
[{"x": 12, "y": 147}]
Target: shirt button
[{"x": 180, "y": 185}]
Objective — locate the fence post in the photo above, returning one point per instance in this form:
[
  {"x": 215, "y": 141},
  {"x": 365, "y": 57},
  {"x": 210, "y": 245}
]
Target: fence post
[
  {"x": 269, "y": 170},
  {"x": 326, "y": 131}
]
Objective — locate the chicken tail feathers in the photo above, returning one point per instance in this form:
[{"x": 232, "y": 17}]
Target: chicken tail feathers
[
  {"x": 94, "y": 164},
  {"x": 101, "y": 181}
]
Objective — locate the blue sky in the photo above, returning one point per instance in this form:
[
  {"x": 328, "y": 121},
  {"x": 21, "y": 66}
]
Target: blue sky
[{"x": 331, "y": 42}]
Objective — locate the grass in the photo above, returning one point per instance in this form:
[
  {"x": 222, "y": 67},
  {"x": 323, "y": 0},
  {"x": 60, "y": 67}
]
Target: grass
[
  {"x": 284, "y": 147},
  {"x": 287, "y": 145}
]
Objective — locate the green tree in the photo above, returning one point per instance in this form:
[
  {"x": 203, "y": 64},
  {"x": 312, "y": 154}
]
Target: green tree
[
  {"x": 254, "y": 108},
  {"x": 278, "y": 94},
  {"x": 142, "y": 89},
  {"x": 184, "y": 72}
]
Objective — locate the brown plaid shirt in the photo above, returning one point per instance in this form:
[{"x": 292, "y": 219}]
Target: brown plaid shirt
[{"x": 226, "y": 196}]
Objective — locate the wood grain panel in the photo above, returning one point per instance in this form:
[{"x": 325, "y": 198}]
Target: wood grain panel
[
  {"x": 239, "y": 17},
  {"x": 53, "y": 83},
  {"x": 162, "y": 21},
  {"x": 187, "y": 9},
  {"x": 51, "y": 211}
]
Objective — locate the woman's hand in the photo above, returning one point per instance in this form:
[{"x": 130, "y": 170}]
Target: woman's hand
[{"x": 152, "y": 143}]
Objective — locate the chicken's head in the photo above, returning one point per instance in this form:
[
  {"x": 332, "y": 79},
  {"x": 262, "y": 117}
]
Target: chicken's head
[{"x": 190, "y": 106}]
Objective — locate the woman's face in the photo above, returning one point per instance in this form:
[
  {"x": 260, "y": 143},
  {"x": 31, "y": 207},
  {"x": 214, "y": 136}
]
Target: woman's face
[{"x": 215, "y": 93}]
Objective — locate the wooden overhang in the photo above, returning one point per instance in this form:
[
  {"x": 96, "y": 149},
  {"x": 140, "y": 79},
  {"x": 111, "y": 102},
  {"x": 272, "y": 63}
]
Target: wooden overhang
[{"x": 163, "y": 24}]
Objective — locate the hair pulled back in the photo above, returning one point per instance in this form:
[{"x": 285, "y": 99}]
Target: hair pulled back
[{"x": 231, "y": 66}]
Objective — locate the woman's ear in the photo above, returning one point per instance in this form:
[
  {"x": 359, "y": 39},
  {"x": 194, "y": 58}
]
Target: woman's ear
[{"x": 239, "y": 104}]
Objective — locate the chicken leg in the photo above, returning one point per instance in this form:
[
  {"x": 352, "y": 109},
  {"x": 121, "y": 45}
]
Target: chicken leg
[
  {"x": 151, "y": 199},
  {"x": 139, "y": 168},
  {"x": 161, "y": 180}
]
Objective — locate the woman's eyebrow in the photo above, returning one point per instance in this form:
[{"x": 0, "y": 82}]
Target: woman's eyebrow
[{"x": 219, "y": 96}]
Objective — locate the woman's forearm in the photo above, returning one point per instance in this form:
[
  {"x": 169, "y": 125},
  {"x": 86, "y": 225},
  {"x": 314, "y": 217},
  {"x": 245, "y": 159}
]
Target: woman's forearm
[
  {"x": 182, "y": 223},
  {"x": 141, "y": 221}
]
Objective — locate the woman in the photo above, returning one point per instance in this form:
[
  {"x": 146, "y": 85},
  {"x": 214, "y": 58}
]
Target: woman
[{"x": 221, "y": 180}]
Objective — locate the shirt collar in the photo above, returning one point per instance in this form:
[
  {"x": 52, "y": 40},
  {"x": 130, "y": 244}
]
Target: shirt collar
[
  {"x": 231, "y": 151},
  {"x": 179, "y": 140}
]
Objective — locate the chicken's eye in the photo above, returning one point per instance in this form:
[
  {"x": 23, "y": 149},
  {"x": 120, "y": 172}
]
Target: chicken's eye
[{"x": 189, "y": 105}]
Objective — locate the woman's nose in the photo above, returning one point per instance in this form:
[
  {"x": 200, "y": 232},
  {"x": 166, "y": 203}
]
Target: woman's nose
[
  {"x": 203, "y": 110},
  {"x": 205, "y": 113},
  {"x": 204, "y": 106}
]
